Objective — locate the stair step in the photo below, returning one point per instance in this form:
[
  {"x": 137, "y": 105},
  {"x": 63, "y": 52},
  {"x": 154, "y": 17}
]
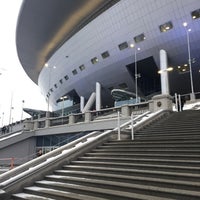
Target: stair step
[
  {"x": 85, "y": 177},
  {"x": 26, "y": 196},
  {"x": 152, "y": 141},
  {"x": 162, "y": 163},
  {"x": 150, "y": 145},
  {"x": 59, "y": 195},
  {"x": 142, "y": 160},
  {"x": 96, "y": 191},
  {"x": 135, "y": 155},
  {"x": 148, "y": 151},
  {"x": 119, "y": 190},
  {"x": 138, "y": 172},
  {"x": 168, "y": 134},
  {"x": 173, "y": 168}
]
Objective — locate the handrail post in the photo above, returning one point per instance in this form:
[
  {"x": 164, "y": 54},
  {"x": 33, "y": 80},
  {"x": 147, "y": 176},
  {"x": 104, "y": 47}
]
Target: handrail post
[
  {"x": 132, "y": 128},
  {"x": 176, "y": 101},
  {"x": 119, "y": 138},
  {"x": 12, "y": 163},
  {"x": 179, "y": 99}
]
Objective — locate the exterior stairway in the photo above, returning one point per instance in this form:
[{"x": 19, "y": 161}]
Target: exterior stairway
[{"x": 163, "y": 162}]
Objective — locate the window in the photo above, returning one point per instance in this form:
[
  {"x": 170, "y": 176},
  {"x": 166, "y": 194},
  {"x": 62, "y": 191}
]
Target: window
[
  {"x": 82, "y": 67},
  {"x": 66, "y": 77},
  {"x": 195, "y": 14},
  {"x": 139, "y": 38},
  {"x": 105, "y": 54},
  {"x": 94, "y": 60},
  {"x": 74, "y": 72},
  {"x": 123, "y": 46},
  {"x": 166, "y": 27},
  {"x": 61, "y": 81}
]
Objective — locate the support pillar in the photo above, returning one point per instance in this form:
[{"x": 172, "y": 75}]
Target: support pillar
[
  {"x": 82, "y": 103},
  {"x": 89, "y": 102},
  {"x": 164, "y": 72},
  {"x": 88, "y": 117},
  {"x": 72, "y": 119},
  {"x": 125, "y": 110},
  {"x": 98, "y": 96},
  {"x": 164, "y": 100},
  {"x": 47, "y": 121}
]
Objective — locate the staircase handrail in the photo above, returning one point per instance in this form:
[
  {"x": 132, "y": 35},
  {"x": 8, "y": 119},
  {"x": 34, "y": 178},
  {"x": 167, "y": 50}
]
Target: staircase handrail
[
  {"x": 35, "y": 169},
  {"x": 36, "y": 161},
  {"x": 39, "y": 160}
]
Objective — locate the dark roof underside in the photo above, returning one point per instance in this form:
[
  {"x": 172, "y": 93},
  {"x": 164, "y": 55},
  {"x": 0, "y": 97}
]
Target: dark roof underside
[{"x": 43, "y": 26}]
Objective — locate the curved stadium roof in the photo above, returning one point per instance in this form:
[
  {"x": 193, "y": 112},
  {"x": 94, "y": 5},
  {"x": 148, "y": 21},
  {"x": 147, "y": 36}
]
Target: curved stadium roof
[
  {"x": 37, "y": 39},
  {"x": 70, "y": 33}
]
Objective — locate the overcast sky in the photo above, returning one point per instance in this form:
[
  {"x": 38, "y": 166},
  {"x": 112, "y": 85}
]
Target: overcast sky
[{"x": 13, "y": 80}]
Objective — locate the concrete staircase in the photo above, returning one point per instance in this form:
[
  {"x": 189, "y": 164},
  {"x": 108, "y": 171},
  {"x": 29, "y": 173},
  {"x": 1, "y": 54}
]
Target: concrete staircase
[{"x": 163, "y": 162}]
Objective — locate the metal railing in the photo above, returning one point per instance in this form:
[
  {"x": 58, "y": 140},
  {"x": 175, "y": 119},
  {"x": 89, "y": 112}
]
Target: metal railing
[{"x": 34, "y": 169}]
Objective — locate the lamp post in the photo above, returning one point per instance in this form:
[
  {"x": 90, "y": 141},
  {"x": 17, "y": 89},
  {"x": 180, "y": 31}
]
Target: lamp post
[
  {"x": 11, "y": 108},
  {"x": 2, "y": 118},
  {"x": 136, "y": 74},
  {"x": 22, "y": 109},
  {"x": 192, "y": 95}
]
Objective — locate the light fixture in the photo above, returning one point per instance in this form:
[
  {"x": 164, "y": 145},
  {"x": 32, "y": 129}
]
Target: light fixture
[
  {"x": 166, "y": 26},
  {"x": 166, "y": 70},
  {"x": 185, "y": 24}
]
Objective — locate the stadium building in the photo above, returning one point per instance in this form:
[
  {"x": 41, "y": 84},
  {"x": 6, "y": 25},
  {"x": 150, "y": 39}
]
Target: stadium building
[
  {"x": 70, "y": 48},
  {"x": 108, "y": 69}
]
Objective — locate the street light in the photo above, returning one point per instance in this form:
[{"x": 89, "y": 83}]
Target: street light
[
  {"x": 192, "y": 95},
  {"x": 11, "y": 108},
  {"x": 166, "y": 70},
  {"x": 22, "y": 109},
  {"x": 2, "y": 118},
  {"x": 136, "y": 74}
]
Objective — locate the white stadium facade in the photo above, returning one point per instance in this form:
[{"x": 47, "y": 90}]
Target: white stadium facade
[{"x": 74, "y": 48}]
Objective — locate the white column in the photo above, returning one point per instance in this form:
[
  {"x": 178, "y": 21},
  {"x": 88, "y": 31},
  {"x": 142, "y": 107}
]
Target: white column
[
  {"x": 82, "y": 103},
  {"x": 98, "y": 96},
  {"x": 89, "y": 102},
  {"x": 164, "y": 73}
]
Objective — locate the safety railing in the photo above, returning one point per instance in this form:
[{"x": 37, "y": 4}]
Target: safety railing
[
  {"x": 103, "y": 114},
  {"x": 7, "y": 163},
  {"x": 43, "y": 158},
  {"x": 36, "y": 168}
]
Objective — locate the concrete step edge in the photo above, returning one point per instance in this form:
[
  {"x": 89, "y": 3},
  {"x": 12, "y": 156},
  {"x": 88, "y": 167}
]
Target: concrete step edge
[
  {"x": 141, "y": 159},
  {"x": 110, "y": 169},
  {"x": 127, "y": 177},
  {"x": 122, "y": 185},
  {"x": 135, "y": 165},
  {"x": 62, "y": 193}
]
